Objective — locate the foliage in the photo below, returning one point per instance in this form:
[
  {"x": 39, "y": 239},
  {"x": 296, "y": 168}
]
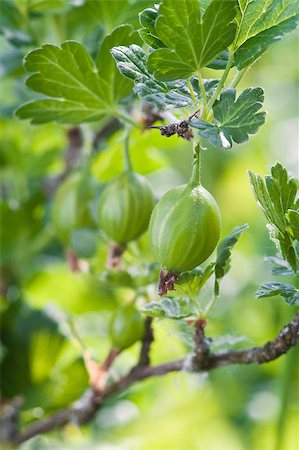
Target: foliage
[{"x": 101, "y": 70}]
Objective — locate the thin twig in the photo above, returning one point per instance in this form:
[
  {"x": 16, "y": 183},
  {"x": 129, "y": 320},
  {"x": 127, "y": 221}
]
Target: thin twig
[
  {"x": 85, "y": 408},
  {"x": 144, "y": 357}
]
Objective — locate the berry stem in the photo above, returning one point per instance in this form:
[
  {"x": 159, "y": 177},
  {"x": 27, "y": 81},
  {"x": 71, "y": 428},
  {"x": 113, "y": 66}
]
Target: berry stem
[
  {"x": 126, "y": 154},
  {"x": 195, "y": 177}
]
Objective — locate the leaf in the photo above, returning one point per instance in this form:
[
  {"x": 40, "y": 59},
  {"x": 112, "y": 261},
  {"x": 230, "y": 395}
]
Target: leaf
[
  {"x": 170, "y": 308},
  {"x": 276, "y": 196},
  {"x": 192, "y": 41},
  {"x": 235, "y": 119},
  {"x": 131, "y": 61},
  {"x": 289, "y": 293},
  {"x": 224, "y": 251},
  {"x": 261, "y": 23},
  {"x": 293, "y": 218},
  {"x": 190, "y": 283},
  {"x": 79, "y": 91},
  {"x": 53, "y": 6},
  {"x": 279, "y": 265}
]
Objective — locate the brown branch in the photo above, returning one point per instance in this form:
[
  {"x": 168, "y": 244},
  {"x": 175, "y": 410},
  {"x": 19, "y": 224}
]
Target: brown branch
[
  {"x": 202, "y": 347},
  {"x": 105, "y": 132},
  {"x": 144, "y": 357},
  {"x": 85, "y": 408},
  {"x": 71, "y": 159}
]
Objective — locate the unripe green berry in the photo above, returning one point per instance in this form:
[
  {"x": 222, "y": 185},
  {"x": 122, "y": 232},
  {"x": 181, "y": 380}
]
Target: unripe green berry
[
  {"x": 125, "y": 207},
  {"x": 184, "y": 227},
  {"x": 126, "y": 326},
  {"x": 70, "y": 206}
]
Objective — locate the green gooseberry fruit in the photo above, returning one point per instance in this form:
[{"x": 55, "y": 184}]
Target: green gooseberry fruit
[
  {"x": 125, "y": 207},
  {"x": 126, "y": 326},
  {"x": 184, "y": 227},
  {"x": 70, "y": 206}
]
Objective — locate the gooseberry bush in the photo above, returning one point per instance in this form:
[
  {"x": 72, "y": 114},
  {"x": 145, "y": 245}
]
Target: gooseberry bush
[{"x": 155, "y": 76}]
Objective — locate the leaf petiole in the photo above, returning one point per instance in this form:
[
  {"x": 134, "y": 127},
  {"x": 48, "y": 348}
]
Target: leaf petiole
[
  {"x": 221, "y": 83},
  {"x": 204, "y": 96},
  {"x": 239, "y": 75}
]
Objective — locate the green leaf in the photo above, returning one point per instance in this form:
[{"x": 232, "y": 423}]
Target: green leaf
[
  {"x": 279, "y": 265},
  {"x": 293, "y": 219},
  {"x": 190, "y": 283},
  {"x": 289, "y": 293},
  {"x": 224, "y": 251},
  {"x": 170, "y": 308},
  {"x": 192, "y": 41},
  {"x": 261, "y": 23},
  {"x": 147, "y": 19},
  {"x": 53, "y": 6},
  {"x": 79, "y": 91},
  {"x": 131, "y": 61},
  {"x": 276, "y": 196},
  {"x": 235, "y": 119}
]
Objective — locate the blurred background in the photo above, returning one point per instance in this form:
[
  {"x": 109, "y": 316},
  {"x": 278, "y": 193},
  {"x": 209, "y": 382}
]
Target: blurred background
[{"x": 233, "y": 408}]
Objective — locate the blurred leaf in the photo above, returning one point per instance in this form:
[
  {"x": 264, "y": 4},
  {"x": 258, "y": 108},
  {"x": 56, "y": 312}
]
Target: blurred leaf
[
  {"x": 276, "y": 196},
  {"x": 11, "y": 62},
  {"x": 192, "y": 42},
  {"x": 261, "y": 23},
  {"x": 73, "y": 292},
  {"x": 170, "y": 308},
  {"x": 224, "y": 251},
  {"x": 118, "y": 278},
  {"x": 279, "y": 265},
  {"x": 79, "y": 91},
  {"x": 52, "y": 6},
  {"x": 289, "y": 293},
  {"x": 235, "y": 119},
  {"x": 11, "y": 24},
  {"x": 292, "y": 217},
  {"x": 33, "y": 342}
]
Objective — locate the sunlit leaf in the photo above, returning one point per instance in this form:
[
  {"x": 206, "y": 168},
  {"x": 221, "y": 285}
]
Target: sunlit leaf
[
  {"x": 192, "y": 41},
  {"x": 261, "y": 23},
  {"x": 77, "y": 89},
  {"x": 224, "y": 251}
]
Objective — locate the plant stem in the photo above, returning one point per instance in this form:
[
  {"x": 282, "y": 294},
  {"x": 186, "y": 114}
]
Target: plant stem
[
  {"x": 203, "y": 94},
  {"x": 222, "y": 81},
  {"x": 191, "y": 90},
  {"x": 240, "y": 74},
  {"x": 124, "y": 118},
  {"x": 195, "y": 177},
  {"x": 126, "y": 154},
  {"x": 209, "y": 307}
]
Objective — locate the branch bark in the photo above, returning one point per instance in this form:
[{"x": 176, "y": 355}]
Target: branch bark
[{"x": 85, "y": 408}]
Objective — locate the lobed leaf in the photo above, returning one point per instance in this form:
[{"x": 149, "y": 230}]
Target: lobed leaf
[
  {"x": 170, "y": 308},
  {"x": 289, "y": 293},
  {"x": 191, "y": 41},
  {"x": 261, "y": 23},
  {"x": 276, "y": 196},
  {"x": 131, "y": 61},
  {"x": 224, "y": 251},
  {"x": 234, "y": 118},
  {"x": 77, "y": 90}
]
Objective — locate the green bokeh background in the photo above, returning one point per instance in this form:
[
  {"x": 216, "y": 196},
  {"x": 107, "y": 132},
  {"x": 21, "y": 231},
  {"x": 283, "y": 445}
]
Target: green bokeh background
[{"x": 233, "y": 408}]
